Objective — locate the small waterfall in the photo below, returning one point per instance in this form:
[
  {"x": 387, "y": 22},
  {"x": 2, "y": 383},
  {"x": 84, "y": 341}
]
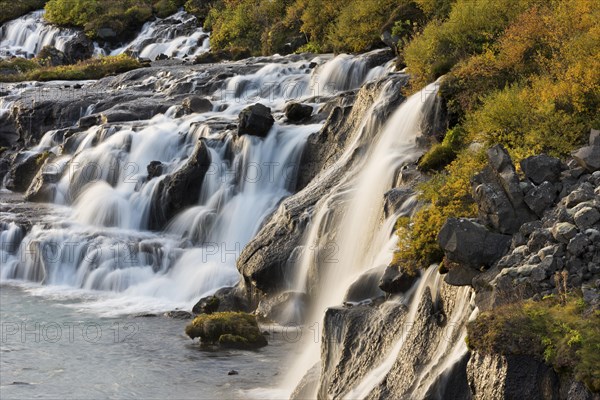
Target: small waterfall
[
  {"x": 357, "y": 233},
  {"x": 176, "y": 36},
  {"x": 27, "y": 35}
]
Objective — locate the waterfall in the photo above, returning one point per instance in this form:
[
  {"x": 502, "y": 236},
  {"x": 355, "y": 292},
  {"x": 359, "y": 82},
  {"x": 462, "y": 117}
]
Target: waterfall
[
  {"x": 27, "y": 35},
  {"x": 358, "y": 234},
  {"x": 97, "y": 235},
  {"x": 176, "y": 36}
]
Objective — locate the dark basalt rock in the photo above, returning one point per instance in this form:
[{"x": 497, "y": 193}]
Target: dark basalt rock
[
  {"x": 155, "y": 168},
  {"x": 24, "y": 167},
  {"x": 224, "y": 299},
  {"x": 197, "y": 104},
  {"x": 366, "y": 287},
  {"x": 588, "y": 157},
  {"x": 470, "y": 244},
  {"x": 541, "y": 168},
  {"x": 181, "y": 188},
  {"x": 285, "y": 309},
  {"x": 79, "y": 48},
  {"x": 498, "y": 194},
  {"x": 43, "y": 186},
  {"x": 255, "y": 120},
  {"x": 395, "y": 280},
  {"x": 52, "y": 57},
  {"x": 296, "y": 112}
]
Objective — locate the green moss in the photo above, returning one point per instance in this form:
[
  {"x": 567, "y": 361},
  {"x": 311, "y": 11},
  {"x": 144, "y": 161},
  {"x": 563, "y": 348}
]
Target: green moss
[
  {"x": 232, "y": 329},
  {"x": 437, "y": 158},
  {"x": 566, "y": 336},
  {"x": 95, "y": 68}
]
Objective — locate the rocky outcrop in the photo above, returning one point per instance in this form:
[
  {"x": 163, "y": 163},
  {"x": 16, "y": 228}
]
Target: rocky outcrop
[
  {"x": 296, "y": 112},
  {"x": 497, "y": 377},
  {"x": 52, "y": 57},
  {"x": 196, "y": 104},
  {"x": 255, "y": 120},
  {"x": 43, "y": 186},
  {"x": 24, "y": 167},
  {"x": 181, "y": 188},
  {"x": 287, "y": 308},
  {"x": 395, "y": 280}
]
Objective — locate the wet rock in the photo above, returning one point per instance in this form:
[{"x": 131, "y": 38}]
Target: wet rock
[
  {"x": 307, "y": 387},
  {"x": 224, "y": 299},
  {"x": 43, "y": 186},
  {"x": 197, "y": 104},
  {"x": 178, "y": 314},
  {"x": 542, "y": 168},
  {"x": 285, "y": 309},
  {"x": 161, "y": 57},
  {"x": 89, "y": 121},
  {"x": 154, "y": 169},
  {"x": 394, "y": 199},
  {"x": 79, "y": 48},
  {"x": 470, "y": 244},
  {"x": 296, "y": 112},
  {"x": 255, "y": 120},
  {"x": 366, "y": 286},
  {"x": 52, "y": 57},
  {"x": 24, "y": 167},
  {"x": 233, "y": 372},
  {"x": 395, "y": 280},
  {"x": 181, "y": 188}
]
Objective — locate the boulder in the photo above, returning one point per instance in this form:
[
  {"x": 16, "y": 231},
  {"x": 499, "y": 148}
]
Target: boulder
[
  {"x": 470, "y": 244},
  {"x": 227, "y": 329},
  {"x": 498, "y": 194},
  {"x": 52, "y": 57},
  {"x": 395, "y": 280},
  {"x": 181, "y": 188},
  {"x": 296, "y": 112},
  {"x": 594, "y": 137},
  {"x": 24, "y": 167},
  {"x": 541, "y": 197},
  {"x": 43, "y": 186},
  {"x": 588, "y": 157},
  {"x": 178, "y": 314},
  {"x": 541, "y": 168},
  {"x": 78, "y": 48},
  {"x": 586, "y": 217},
  {"x": 564, "y": 232},
  {"x": 255, "y": 120},
  {"x": 224, "y": 299},
  {"x": 366, "y": 286},
  {"x": 155, "y": 168},
  {"x": 197, "y": 104},
  {"x": 460, "y": 275},
  {"x": 287, "y": 308}
]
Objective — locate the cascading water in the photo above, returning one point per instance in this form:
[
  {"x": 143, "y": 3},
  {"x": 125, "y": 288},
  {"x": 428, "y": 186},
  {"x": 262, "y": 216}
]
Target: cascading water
[
  {"x": 27, "y": 35},
  {"x": 101, "y": 241},
  {"x": 176, "y": 36},
  {"x": 358, "y": 234}
]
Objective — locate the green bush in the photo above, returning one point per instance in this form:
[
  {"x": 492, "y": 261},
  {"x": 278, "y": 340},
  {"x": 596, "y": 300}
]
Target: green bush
[{"x": 565, "y": 336}]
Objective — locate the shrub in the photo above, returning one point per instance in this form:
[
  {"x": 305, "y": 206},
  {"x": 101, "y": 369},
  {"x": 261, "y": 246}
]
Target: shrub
[{"x": 565, "y": 336}]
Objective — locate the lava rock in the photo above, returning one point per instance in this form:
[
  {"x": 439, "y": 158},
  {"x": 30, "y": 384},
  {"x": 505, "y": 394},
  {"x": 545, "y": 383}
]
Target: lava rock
[
  {"x": 470, "y": 244},
  {"x": 588, "y": 157},
  {"x": 540, "y": 198},
  {"x": 155, "y": 168},
  {"x": 586, "y": 217},
  {"x": 541, "y": 168},
  {"x": 285, "y": 309},
  {"x": 255, "y": 120},
  {"x": 181, "y": 188},
  {"x": 196, "y": 104},
  {"x": 297, "y": 112},
  {"x": 396, "y": 281}
]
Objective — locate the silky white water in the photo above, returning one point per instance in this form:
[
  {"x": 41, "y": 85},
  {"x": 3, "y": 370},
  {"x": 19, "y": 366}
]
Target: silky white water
[
  {"x": 27, "y": 35},
  {"x": 359, "y": 235}
]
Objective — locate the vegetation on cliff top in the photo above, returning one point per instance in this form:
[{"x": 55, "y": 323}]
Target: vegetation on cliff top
[
  {"x": 525, "y": 74},
  {"x": 20, "y": 69},
  {"x": 564, "y": 334}
]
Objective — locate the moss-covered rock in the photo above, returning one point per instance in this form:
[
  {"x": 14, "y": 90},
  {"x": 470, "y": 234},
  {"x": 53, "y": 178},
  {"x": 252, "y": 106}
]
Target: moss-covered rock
[{"x": 227, "y": 329}]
